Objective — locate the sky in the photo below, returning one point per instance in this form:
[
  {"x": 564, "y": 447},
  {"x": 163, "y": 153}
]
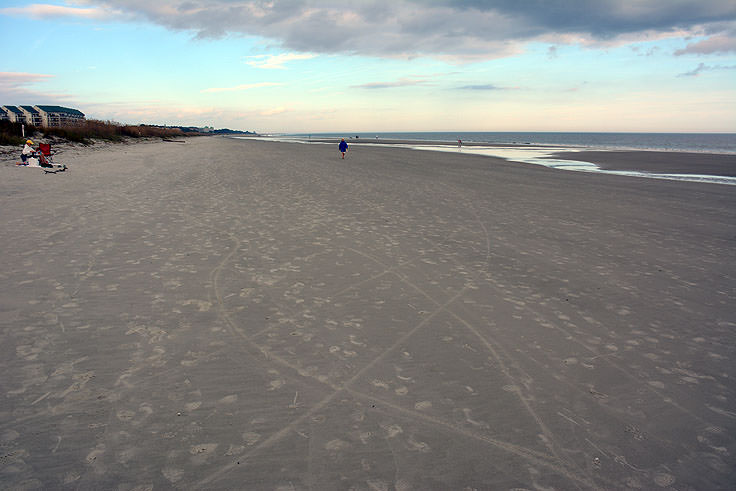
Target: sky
[{"x": 307, "y": 66}]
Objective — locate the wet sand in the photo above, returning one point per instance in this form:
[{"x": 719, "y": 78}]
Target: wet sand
[
  {"x": 229, "y": 314},
  {"x": 658, "y": 162}
]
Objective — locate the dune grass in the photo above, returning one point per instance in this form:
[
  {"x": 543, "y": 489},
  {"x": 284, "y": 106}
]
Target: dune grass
[{"x": 91, "y": 129}]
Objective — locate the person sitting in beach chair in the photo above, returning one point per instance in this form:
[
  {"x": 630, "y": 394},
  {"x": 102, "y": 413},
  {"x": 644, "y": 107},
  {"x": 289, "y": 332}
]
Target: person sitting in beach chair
[
  {"x": 45, "y": 157},
  {"x": 27, "y": 152}
]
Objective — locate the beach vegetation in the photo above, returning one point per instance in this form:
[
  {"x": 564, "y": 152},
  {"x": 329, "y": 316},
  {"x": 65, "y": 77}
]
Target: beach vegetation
[
  {"x": 11, "y": 133},
  {"x": 93, "y": 129},
  {"x": 85, "y": 132}
]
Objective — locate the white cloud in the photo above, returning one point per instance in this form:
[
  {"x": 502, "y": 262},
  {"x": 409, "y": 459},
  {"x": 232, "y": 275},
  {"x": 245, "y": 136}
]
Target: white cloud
[
  {"x": 17, "y": 88},
  {"x": 714, "y": 44},
  {"x": 276, "y": 61},
  {"x": 273, "y": 111},
  {"x": 403, "y": 82},
  {"x": 242, "y": 87},
  {"x": 16, "y": 79},
  {"x": 42, "y": 11}
]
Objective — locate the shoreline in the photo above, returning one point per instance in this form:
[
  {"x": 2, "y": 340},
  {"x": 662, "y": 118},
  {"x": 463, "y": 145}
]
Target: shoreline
[
  {"x": 719, "y": 143},
  {"x": 630, "y": 160},
  {"x": 651, "y": 163}
]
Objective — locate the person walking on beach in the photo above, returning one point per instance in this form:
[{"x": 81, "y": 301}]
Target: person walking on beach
[{"x": 343, "y": 146}]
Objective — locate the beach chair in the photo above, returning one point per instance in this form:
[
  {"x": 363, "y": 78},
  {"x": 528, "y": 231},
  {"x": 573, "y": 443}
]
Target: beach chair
[
  {"x": 43, "y": 157},
  {"x": 46, "y": 159},
  {"x": 46, "y": 154}
]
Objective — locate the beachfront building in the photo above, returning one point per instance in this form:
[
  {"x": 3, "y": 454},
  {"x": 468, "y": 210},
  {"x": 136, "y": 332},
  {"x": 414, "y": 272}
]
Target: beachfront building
[
  {"x": 12, "y": 113},
  {"x": 32, "y": 116},
  {"x": 42, "y": 115},
  {"x": 59, "y": 116}
]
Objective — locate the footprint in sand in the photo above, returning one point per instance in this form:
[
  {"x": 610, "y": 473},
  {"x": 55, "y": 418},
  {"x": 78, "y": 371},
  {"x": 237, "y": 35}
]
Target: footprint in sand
[
  {"x": 191, "y": 406},
  {"x": 416, "y": 446},
  {"x": 228, "y": 399},
  {"x": 663, "y": 479},
  {"x": 392, "y": 430},
  {"x": 337, "y": 445},
  {"x": 251, "y": 437},
  {"x": 423, "y": 405},
  {"x": 401, "y": 391},
  {"x": 172, "y": 474}
]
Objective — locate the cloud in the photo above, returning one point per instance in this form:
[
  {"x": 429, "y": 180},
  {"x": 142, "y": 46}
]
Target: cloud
[
  {"x": 45, "y": 11},
  {"x": 603, "y": 18},
  {"x": 17, "y": 79},
  {"x": 272, "y": 112},
  {"x": 461, "y": 29},
  {"x": 17, "y": 88},
  {"x": 276, "y": 61},
  {"x": 153, "y": 111},
  {"x": 481, "y": 87},
  {"x": 650, "y": 52},
  {"x": 714, "y": 44},
  {"x": 702, "y": 67},
  {"x": 242, "y": 87},
  {"x": 403, "y": 82}
]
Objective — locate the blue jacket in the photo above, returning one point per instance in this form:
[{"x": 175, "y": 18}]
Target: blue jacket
[{"x": 343, "y": 146}]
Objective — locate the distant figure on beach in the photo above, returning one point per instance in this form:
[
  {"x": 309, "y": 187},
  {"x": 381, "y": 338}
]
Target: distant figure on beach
[
  {"x": 28, "y": 151},
  {"x": 343, "y": 147},
  {"x": 459, "y": 142}
]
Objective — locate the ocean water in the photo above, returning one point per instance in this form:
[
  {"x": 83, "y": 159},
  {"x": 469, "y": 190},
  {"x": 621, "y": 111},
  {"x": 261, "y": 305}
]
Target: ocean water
[{"x": 681, "y": 142}]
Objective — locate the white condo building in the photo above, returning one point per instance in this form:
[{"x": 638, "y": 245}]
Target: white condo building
[{"x": 43, "y": 116}]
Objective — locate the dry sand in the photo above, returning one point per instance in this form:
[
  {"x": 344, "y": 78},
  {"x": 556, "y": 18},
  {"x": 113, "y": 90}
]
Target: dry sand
[{"x": 225, "y": 314}]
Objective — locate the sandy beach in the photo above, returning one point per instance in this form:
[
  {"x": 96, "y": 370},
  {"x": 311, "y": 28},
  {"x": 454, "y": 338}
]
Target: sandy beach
[{"x": 241, "y": 314}]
